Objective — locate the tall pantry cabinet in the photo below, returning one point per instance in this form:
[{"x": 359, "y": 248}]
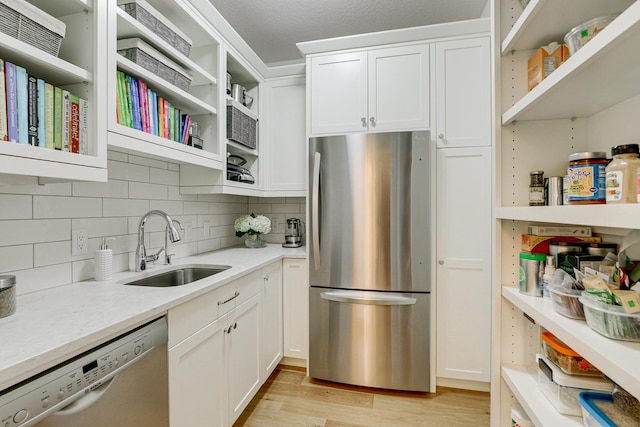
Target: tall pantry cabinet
[{"x": 590, "y": 103}]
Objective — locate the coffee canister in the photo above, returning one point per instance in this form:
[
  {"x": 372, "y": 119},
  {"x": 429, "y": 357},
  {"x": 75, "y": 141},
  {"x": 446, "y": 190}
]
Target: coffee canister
[
  {"x": 531, "y": 272},
  {"x": 553, "y": 190},
  {"x": 7, "y": 295}
]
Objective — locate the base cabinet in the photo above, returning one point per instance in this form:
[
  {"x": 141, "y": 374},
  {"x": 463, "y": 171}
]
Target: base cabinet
[
  {"x": 296, "y": 308},
  {"x": 464, "y": 264},
  {"x": 271, "y": 319}
]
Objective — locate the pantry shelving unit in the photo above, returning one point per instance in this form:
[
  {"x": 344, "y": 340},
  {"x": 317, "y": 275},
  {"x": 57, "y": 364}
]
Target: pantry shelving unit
[
  {"x": 588, "y": 104},
  {"x": 79, "y": 69},
  {"x": 201, "y": 101}
]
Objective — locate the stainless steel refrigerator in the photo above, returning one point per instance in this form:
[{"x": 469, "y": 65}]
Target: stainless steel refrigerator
[{"x": 369, "y": 259}]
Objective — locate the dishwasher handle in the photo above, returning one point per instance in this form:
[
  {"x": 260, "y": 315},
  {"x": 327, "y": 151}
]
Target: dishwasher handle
[
  {"x": 88, "y": 399},
  {"x": 368, "y": 298}
]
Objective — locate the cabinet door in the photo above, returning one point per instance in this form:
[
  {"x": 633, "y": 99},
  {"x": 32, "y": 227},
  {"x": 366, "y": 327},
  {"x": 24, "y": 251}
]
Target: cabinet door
[
  {"x": 399, "y": 88},
  {"x": 463, "y": 247},
  {"x": 197, "y": 378},
  {"x": 296, "y": 308},
  {"x": 243, "y": 340},
  {"x": 338, "y": 93},
  {"x": 463, "y": 93},
  {"x": 286, "y": 135},
  {"x": 271, "y": 319}
]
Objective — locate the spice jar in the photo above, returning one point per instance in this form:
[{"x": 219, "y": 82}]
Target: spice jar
[
  {"x": 7, "y": 295},
  {"x": 587, "y": 178},
  {"x": 536, "y": 188},
  {"x": 622, "y": 174}
]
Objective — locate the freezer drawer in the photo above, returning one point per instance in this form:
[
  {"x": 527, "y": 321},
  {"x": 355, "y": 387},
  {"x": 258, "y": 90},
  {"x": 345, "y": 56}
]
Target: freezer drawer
[{"x": 368, "y": 338}]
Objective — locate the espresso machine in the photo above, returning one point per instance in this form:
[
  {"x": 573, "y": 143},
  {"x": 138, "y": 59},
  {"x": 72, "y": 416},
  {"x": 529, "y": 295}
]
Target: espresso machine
[{"x": 293, "y": 233}]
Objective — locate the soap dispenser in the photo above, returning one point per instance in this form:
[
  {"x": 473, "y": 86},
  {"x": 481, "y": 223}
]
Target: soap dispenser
[{"x": 103, "y": 261}]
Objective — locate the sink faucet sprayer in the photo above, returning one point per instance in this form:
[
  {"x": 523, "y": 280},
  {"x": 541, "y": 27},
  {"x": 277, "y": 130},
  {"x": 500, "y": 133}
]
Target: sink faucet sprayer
[{"x": 170, "y": 231}]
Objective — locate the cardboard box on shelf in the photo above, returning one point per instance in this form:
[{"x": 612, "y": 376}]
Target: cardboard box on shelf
[
  {"x": 540, "y": 244},
  {"x": 544, "y": 61},
  {"x": 543, "y": 230}
]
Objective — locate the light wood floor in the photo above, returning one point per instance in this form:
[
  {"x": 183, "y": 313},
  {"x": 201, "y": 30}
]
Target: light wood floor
[{"x": 290, "y": 398}]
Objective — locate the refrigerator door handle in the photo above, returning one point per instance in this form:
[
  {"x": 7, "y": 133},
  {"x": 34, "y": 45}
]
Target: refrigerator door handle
[
  {"x": 357, "y": 297},
  {"x": 315, "y": 209}
]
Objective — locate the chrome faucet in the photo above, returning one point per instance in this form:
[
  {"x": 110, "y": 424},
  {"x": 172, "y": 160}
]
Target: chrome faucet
[{"x": 170, "y": 231}]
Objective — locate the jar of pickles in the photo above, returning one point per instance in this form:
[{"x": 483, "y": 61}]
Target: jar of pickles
[
  {"x": 587, "y": 177},
  {"x": 622, "y": 174}
]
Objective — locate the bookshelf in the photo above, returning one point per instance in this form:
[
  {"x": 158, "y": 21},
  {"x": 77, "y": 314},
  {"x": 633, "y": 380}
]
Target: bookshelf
[{"x": 77, "y": 68}]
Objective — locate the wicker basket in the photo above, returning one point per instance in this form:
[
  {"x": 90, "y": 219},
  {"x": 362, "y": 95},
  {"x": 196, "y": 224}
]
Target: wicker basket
[
  {"x": 144, "y": 13},
  {"x": 150, "y": 59},
  {"x": 25, "y": 22},
  {"x": 241, "y": 127}
]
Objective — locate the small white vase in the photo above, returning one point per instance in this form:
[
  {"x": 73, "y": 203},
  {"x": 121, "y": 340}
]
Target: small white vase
[{"x": 255, "y": 241}]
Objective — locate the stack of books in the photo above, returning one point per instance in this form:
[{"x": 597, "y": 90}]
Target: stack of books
[
  {"x": 37, "y": 113},
  {"x": 141, "y": 108}
]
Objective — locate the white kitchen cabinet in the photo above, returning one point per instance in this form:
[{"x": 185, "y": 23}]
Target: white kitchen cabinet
[
  {"x": 80, "y": 67},
  {"x": 463, "y": 251},
  {"x": 590, "y": 103},
  {"x": 296, "y": 308},
  {"x": 285, "y": 137},
  {"x": 272, "y": 330},
  {"x": 463, "y": 93},
  {"x": 374, "y": 90}
]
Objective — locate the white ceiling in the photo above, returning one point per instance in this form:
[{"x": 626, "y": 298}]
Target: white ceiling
[{"x": 273, "y": 27}]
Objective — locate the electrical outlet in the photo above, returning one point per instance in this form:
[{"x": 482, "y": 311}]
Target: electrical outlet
[
  {"x": 206, "y": 232},
  {"x": 79, "y": 242}
]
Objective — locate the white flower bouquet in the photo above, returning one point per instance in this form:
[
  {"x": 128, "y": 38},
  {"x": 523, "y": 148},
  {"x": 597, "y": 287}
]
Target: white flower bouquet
[{"x": 252, "y": 225}]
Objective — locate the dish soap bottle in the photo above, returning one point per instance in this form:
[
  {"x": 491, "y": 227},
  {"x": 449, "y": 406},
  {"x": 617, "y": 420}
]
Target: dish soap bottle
[
  {"x": 103, "y": 261},
  {"x": 549, "y": 272}
]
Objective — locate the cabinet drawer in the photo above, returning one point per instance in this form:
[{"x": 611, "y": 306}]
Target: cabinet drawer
[{"x": 190, "y": 317}]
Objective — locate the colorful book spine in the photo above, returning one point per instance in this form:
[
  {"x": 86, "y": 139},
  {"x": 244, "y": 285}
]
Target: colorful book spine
[
  {"x": 41, "y": 114},
  {"x": 135, "y": 104},
  {"x": 166, "y": 118},
  {"x": 57, "y": 118},
  {"x": 23, "y": 105},
  {"x": 48, "y": 115},
  {"x": 12, "y": 101},
  {"x": 66, "y": 120},
  {"x": 127, "y": 96},
  {"x": 154, "y": 112},
  {"x": 172, "y": 126},
  {"x": 123, "y": 98},
  {"x": 84, "y": 126},
  {"x": 74, "y": 124},
  {"x": 32, "y": 110},
  {"x": 4, "y": 135},
  {"x": 142, "y": 96},
  {"x": 160, "y": 116},
  {"x": 185, "y": 129}
]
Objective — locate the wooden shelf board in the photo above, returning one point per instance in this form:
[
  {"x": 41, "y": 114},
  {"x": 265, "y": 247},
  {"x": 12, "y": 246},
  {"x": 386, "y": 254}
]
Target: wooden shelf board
[
  {"x": 618, "y": 216},
  {"x": 583, "y": 86},
  {"x": 617, "y": 359}
]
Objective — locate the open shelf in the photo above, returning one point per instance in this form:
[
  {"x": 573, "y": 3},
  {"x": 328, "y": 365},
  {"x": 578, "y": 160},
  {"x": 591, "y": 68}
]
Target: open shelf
[
  {"x": 620, "y": 215},
  {"x": 617, "y": 359},
  {"x": 604, "y": 72},
  {"x": 522, "y": 380}
]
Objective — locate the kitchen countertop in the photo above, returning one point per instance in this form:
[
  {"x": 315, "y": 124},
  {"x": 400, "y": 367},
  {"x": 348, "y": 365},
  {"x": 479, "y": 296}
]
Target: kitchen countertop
[{"x": 53, "y": 325}]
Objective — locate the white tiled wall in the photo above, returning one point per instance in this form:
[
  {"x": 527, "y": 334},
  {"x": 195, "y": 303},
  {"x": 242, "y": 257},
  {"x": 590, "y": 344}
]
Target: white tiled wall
[{"x": 36, "y": 221}]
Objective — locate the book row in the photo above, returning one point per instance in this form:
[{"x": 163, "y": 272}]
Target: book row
[
  {"x": 34, "y": 112},
  {"x": 141, "y": 108}
]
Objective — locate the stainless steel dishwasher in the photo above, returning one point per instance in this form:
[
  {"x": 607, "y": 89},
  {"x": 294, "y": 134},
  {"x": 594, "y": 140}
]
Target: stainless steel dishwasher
[{"x": 120, "y": 383}]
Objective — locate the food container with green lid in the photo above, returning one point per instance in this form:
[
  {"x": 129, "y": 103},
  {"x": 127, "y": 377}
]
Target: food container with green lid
[
  {"x": 7, "y": 295},
  {"x": 531, "y": 272}
]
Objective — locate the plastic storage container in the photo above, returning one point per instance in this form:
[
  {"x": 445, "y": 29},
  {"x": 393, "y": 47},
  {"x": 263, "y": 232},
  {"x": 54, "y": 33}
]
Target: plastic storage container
[
  {"x": 566, "y": 301},
  {"x": 622, "y": 178},
  {"x": 626, "y": 402},
  {"x": 611, "y": 320},
  {"x": 583, "y": 33},
  {"x": 562, "y": 390},
  {"x": 565, "y": 358},
  {"x": 599, "y": 410}
]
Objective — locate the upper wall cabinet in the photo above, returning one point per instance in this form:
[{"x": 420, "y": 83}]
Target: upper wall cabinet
[
  {"x": 163, "y": 95},
  {"x": 79, "y": 68},
  {"x": 463, "y": 93},
  {"x": 375, "y": 90}
]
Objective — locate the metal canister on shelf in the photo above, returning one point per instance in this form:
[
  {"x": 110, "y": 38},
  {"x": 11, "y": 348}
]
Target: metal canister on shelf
[
  {"x": 531, "y": 272},
  {"x": 536, "y": 188},
  {"x": 600, "y": 248},
  {"x": 559, "y": 247},
  {"x": 587, "y": 178},
  {"x": 553, "y": 190}
]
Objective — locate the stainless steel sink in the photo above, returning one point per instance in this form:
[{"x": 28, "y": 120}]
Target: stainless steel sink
[{"x": 181, "y": 275}]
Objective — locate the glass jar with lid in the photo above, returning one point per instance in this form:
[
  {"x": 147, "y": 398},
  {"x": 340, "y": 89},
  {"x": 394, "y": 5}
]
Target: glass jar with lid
[
  {"x": 587, "y": 177},
  {"x": 622, "y": 174}
]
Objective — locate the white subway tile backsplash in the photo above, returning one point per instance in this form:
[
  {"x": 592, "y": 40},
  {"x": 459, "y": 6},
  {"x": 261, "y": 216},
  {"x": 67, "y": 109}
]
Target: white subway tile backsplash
[
  {"x": 196, "y": 208},
  {"x": 52, "y": 253},
  {"x": 115, "y": 155},
  {"x": 16, "y": 258},
  {"x": 174, "y": 194},
  {"x": 37, "y": 279},
  {"x": 140, "y": 190},
  {"x": 124, "y": 207},
  {"x": 145, "y": 161},
  {"x": 66, "y": 207},
  {"x": 284, "y": 208},
  {"x": 113, "y": 188},
  {"x": 262, "y": 209},
  {"x": 165, "y": 177},
  {"x": 229, "y": 208},
  {"x": 20, "y": 232},
  {"x": 127, "y": 171},
  {"x": 174, "y": 167},
  {"x": 208, "y": 245},
  {"x": 46, "y": 189},
  {"x": 101, "y": 227},
  {"x": 83, "y": 270},
  {"x": 15, "y": 206},
  {"x": 170, "y": 207}
]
